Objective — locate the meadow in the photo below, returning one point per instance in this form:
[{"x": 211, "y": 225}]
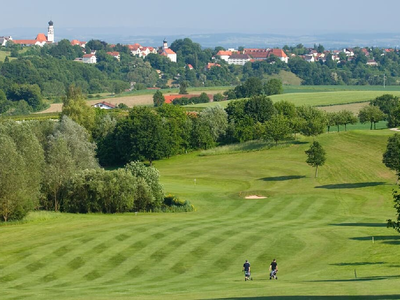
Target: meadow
[
  {"x": 328, "y": 234},
  {"x": 317, "y": 98}
]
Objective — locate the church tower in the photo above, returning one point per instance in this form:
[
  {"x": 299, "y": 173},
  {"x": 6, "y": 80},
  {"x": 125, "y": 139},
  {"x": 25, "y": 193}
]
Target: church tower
[{"x": 50, "y": 32}]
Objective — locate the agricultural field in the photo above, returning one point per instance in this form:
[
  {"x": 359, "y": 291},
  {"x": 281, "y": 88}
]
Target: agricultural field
[
  {"x": 328, "y": 234},
  {"x": 136, "y": 98},
  {"x": 316, "y": 98}
]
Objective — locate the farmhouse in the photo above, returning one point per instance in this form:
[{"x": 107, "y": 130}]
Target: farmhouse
[{"x": 104, "y": 105}]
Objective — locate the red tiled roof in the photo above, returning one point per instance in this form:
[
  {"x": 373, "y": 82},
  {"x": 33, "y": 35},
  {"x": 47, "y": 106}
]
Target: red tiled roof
[
  {"x": 113, "y": 53},
  {"x": 278, "y": 52},
  {"x": 170, "y": 98},
  {"x": 25, "y": 42},
  {"x": 107, "y": 103},
  {"x": 210, "y": 65},
  {"x": 88, "y": 55},
  {"x": 41, "y": 37},
  {"x": 168, "y": 51},
  {"x": 222, "y": 52}
]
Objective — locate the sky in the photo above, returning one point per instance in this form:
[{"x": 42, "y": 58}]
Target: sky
[{"x": 161, "y": 17}]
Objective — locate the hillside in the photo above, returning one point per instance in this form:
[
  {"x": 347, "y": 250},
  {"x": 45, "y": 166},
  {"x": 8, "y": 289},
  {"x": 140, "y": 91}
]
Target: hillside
[{"x": 322, "y": 232}]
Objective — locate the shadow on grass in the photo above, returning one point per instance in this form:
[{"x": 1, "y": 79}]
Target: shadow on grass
[
  {"x": 369, "y": 278},
  {"x": 361, "y": 224},
  {"x": 282, "y": 178},
  {"x": 349, "y": 185},
  {"x": 304, "y": 297},
  {"x": 386, "y": 239},
  {"x": 363, "y": 263}
]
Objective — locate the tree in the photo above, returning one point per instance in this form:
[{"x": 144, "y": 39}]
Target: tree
[
  {"x": 273, "y": 87},
  {"x": 395, "y": 224},
  {"x": 76, "y": 108},
  {"x": 218, "y": 97},
  {"x": 286, "y": 108},
  {"x": 330, "y": 120},
  {"x": 314, "y": 120},
  {"x": 158, "y": 99},
  {"x": 277, "y": 128},
  {"x": 391, "y": 157},
  {"x": 260, "y": 108},
  {"x": 316, "y": 156},
  {"x": 389, "y": 105},
  {"x": 183, "y": 87},
  {"x": 12, "y": 175},
  {"x": 371, "y": 114},
  {"x": 69, "y": 151},
  {"x": 347, "y": 117},
  {"x": 142, "y": 136}
]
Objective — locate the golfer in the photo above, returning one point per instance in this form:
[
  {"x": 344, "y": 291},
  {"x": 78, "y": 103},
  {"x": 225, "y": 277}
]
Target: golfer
[
  {"x": 273, "y": 269},
  {"x": 246, "y": 269}
]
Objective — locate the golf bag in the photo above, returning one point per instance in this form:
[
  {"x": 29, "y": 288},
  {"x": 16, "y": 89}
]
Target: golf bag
[{"x": 247, "y": 275}]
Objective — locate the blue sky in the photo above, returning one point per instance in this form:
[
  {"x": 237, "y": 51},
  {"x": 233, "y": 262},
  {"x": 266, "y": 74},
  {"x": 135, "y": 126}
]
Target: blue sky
[{"x": 206, "y": 16}]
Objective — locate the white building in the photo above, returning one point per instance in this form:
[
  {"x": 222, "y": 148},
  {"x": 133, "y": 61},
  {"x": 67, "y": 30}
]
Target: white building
[
  {"x": 89, "y": 58},
  {"x": 238, "y": 59},
  {"x": 104, "y": 105},
  {"x": 50, "y": 32},
  {"x": 168, "y": 52},
  {"x": 4, "y": 40}
]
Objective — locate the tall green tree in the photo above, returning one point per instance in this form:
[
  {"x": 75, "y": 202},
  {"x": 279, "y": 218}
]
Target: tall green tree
[
  {"x": 158, "y": 98},
  {"x": 13, "y": 189},
  {"x": 76, "y": 108},
  {"x": 395, "y": 224},
  {"x": 141, "y": 136},
  {"x": 314, "y": 120},
  {"x": 371, "y": 114},
  {"x": 316, "y": 156},
  {"x": 347, "y": 117},
  {"x": 277, "y": 128},
  {"x": 273, "y": 87},
  {"x": 391, "y": 156}
]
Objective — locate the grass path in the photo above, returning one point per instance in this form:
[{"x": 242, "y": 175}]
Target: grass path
[{"x": 320, "y": 230}]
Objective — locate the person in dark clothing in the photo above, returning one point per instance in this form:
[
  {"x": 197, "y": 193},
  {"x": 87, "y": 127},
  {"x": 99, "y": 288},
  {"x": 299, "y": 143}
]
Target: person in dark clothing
[
  {"x": 273, "y": 268},
  {"x": 246, "y": 269}
]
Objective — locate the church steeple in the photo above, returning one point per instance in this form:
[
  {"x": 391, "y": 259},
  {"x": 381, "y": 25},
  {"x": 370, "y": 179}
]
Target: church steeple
[{"x": 50, "y": 32}]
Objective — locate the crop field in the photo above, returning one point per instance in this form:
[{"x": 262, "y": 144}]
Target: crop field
[{"x": 328, "y": 234}]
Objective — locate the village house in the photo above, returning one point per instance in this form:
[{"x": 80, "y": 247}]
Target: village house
[
  {"x": 115, "y": 55},
  {"x": 89, "y": 58},
  {"x": 372, "y": 62},
  {"x": 79, "y": 43},
  {"x": 4, "y": 40},
  {"x": 104, "y": 105},
  {"x": 224, "y": 55}
]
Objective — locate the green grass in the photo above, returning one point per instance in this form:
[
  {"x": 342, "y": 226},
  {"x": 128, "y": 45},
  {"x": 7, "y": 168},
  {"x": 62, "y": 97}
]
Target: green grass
[
  {"x": 315, "y": 98},
  {"x": 320, "y": 231}
]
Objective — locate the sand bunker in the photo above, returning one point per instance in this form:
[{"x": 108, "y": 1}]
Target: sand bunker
[{"x": 255, "y": 197}]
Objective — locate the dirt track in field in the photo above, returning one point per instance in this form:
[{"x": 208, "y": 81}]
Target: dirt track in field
[{"x": 130, "y": 101}]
